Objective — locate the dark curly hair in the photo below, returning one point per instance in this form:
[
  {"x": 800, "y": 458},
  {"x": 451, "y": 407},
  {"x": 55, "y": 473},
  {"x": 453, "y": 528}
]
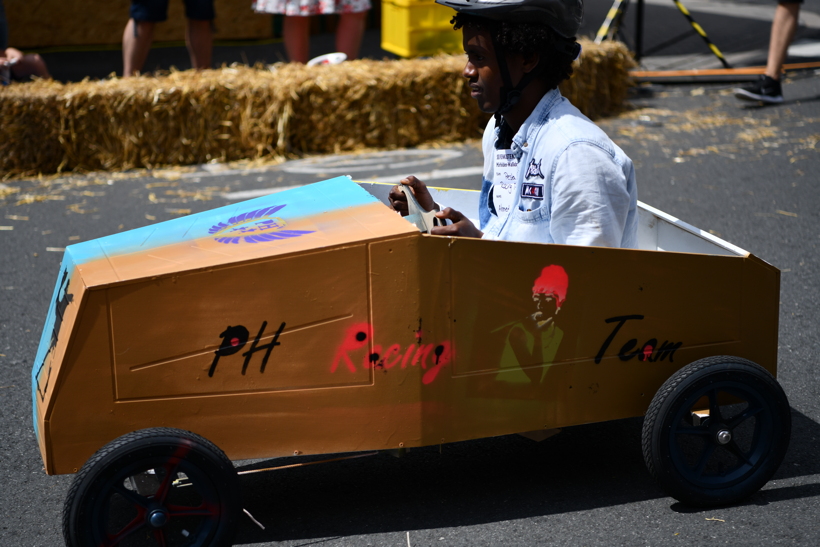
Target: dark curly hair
[{"x": 554, "y": 66}]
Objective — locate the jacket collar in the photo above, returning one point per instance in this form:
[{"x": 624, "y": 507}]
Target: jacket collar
[{"x": 529, "y": 129}]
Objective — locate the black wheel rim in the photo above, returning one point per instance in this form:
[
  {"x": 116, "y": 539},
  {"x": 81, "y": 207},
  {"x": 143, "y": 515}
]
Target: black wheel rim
[
  {"x": 729, "y": 445},
  {"x": 164, "y": 501}
]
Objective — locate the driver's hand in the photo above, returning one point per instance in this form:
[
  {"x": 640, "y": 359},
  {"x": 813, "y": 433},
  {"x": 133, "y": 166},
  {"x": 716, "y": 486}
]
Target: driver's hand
[
  {"x": 398, "y": 201},
  {"x": 461, "y": 225}
]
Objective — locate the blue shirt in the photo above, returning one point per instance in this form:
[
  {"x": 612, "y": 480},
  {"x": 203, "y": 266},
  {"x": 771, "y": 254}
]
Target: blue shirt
[{"x": 575, "y": 186}]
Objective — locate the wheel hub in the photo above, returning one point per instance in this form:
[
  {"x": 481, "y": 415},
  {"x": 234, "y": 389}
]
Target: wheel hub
[
  {"x": 724, "y": 436},
  {"x": 158, "y": 518}
]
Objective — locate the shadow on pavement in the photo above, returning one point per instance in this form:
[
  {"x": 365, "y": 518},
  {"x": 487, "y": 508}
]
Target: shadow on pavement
[
  {"x": 759, "y": 105},
  {"x": 476, "y": 482},
  {"x": 762, "y": 498}
]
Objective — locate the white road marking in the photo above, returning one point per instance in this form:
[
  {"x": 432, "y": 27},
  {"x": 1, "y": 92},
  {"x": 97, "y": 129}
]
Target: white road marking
[
  {"x": 343, "y": 164},
  {"x": 435, "y": 174},
  {"x": 805, "y": 49},
  {"x": 438, "y": 174},
  {"x": 248, "y": 194},
  {"x": 376, "y": 161}
]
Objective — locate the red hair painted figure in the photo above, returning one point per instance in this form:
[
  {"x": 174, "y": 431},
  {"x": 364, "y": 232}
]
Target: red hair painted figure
[
  {"x": 534, "y": 340},
  {"x": 554, "y": 281}
]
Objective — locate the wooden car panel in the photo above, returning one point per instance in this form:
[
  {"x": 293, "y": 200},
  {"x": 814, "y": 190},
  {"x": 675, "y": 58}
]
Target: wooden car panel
[
  {"x": 263, "y": 326},
  {"x": 360, "y": 333}
]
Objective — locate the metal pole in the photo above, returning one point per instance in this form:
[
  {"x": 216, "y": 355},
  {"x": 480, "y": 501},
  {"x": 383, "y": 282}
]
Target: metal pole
[
  {"x": 702, "y": 34},
  {"x": 613, "y": 19},
  {"x": 639, "y": 31}
]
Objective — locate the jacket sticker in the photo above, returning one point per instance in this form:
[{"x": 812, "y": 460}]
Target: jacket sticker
[
  {"x": 534, "y": 170},
  {"x": 532, "y": 191}
]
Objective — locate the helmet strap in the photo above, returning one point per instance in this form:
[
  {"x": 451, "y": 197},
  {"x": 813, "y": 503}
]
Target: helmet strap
[{"x": 509, "y": 95}]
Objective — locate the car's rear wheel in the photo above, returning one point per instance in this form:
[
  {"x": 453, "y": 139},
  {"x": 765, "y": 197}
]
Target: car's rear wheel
[
  {"x": 716, "y": 431},
  {"x": 160, "y": 486}
]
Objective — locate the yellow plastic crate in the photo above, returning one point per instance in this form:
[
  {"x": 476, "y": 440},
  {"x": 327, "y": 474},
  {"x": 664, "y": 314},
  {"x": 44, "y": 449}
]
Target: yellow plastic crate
[{"x": 413, "y": 28}]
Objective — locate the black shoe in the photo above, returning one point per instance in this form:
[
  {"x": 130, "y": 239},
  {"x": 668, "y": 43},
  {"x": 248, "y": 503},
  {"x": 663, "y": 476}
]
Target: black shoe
[{"x": 766, "y": 90}]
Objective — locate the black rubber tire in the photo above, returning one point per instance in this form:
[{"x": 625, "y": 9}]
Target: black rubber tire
[
  {"x": 696, "y": 463},
  {"x": 134, "y": 483}
]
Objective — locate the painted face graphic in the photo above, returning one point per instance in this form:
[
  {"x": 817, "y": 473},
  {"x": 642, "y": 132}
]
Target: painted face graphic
[
  {"x": 545, "y": 307},
  {"x": 549, "y": 292}
]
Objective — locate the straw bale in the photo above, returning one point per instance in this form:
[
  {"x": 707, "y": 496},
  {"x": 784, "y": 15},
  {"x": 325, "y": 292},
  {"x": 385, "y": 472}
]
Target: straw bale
[
  {"x": 600, "y": 81},
  {"x": 29, "y": 139},
  {"x": 190, "y": 117}
]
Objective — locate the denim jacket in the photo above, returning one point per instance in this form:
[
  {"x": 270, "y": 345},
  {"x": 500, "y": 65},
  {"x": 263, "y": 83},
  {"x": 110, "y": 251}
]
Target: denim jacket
[{"x": 587, "y": 183}]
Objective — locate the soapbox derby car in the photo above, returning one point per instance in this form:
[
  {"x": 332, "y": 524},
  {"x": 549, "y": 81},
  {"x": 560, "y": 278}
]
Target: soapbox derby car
[{"x": 317, "y": 320}]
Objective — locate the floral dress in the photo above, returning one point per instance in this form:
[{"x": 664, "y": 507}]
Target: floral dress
[{"x": 310, "y": 7}]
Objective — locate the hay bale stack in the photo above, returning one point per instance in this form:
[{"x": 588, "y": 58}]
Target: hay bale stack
[
  {"x": 237, "y": 113},
  {"x": 600, "y": 80},
  {"x": 30, "y": 136}
]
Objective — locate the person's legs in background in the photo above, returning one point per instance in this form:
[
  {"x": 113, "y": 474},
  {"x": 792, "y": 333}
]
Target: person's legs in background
[
  {"x": 136, "y": 43},
  {"x": 199, "y": 39},
  {"x": 296, "y": 34},
  {"x": 783, "y": 27},
  {"x": 139, "y": 33},
  {"x": 768, "y": 89},
  {"x": 199, "y": 32},
  {"x": 26, "y": 65},
  {"x": 349, "y": 33},
  {"x": 17, "y": 64}
]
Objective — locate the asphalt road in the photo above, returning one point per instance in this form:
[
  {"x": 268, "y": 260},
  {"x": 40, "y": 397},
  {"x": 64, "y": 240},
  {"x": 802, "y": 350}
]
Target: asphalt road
[
  {"x": 746, "y": 174},
  {"x": 741, "y": 172}
]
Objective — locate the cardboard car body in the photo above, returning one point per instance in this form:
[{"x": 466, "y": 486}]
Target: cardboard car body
[{"x": 317, "y": 320}]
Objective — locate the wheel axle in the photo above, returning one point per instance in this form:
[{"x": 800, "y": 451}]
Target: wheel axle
[
  {"x": 724, "y": 436},
  {"x": 158, "y": 518}
]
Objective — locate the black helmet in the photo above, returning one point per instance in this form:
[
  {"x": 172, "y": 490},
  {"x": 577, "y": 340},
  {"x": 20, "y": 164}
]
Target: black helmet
[{"x": 563, "y": 16}]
